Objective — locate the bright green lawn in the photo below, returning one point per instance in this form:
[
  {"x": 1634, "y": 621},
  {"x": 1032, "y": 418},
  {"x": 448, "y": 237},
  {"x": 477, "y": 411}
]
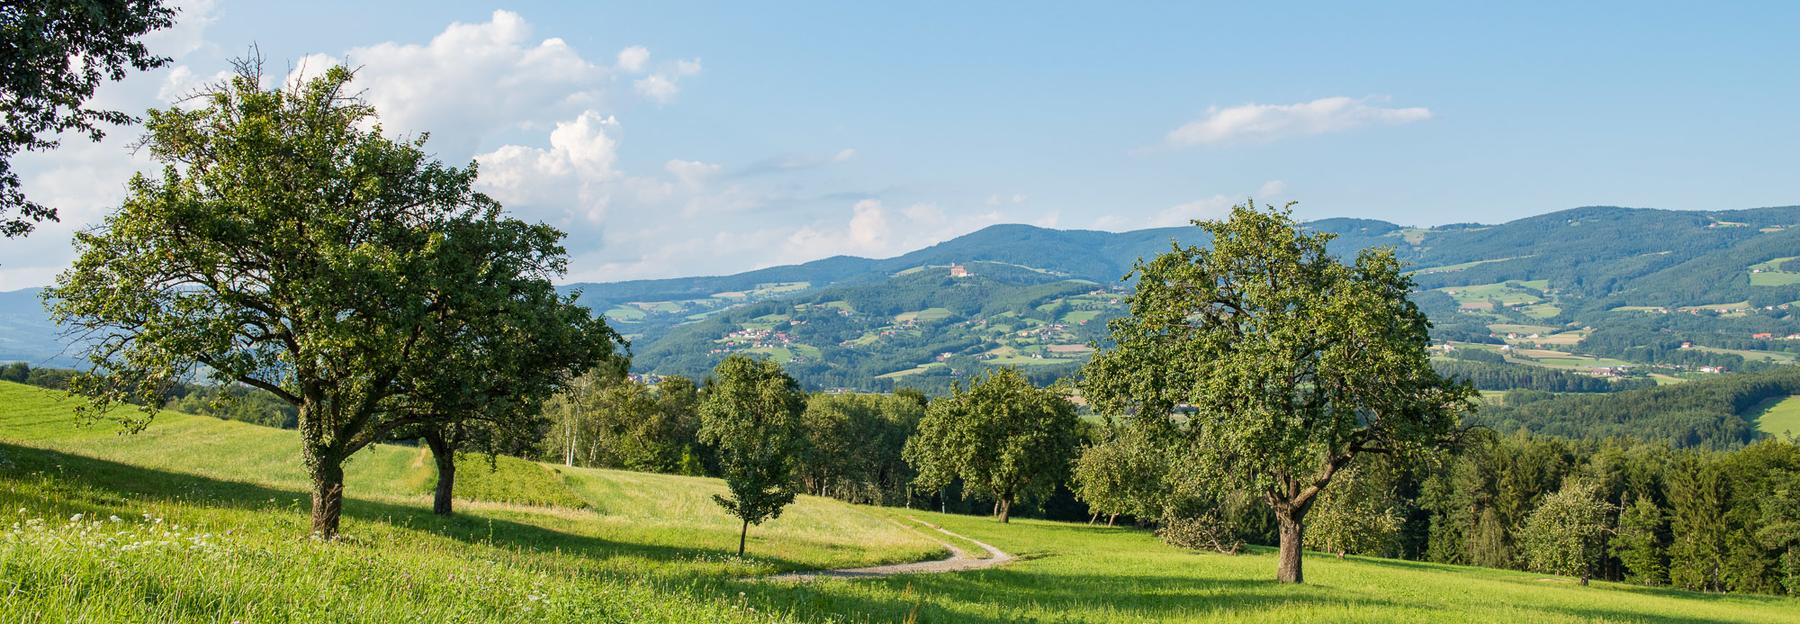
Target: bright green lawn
[
  {"x": 210, "y": 515},
  {"x": 1778, "y": 416}
]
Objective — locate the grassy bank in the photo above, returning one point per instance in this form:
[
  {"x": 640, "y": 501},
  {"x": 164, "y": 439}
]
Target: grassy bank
[{"x": 210, "y": 517}]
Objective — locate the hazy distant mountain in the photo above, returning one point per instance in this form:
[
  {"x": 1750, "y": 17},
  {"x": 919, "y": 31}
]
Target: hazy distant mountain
[{"x": 1568, "y": 292}]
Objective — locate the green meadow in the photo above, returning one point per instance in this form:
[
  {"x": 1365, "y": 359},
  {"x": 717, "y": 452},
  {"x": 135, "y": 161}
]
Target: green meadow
[{"x": 203, "y": 520}]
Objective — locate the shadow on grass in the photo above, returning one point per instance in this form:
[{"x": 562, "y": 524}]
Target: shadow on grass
[{"x": 96, "y": 485}]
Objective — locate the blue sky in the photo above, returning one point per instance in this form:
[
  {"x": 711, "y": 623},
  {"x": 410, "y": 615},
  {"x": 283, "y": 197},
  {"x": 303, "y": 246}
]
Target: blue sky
[{"x": 675, "y": 138}]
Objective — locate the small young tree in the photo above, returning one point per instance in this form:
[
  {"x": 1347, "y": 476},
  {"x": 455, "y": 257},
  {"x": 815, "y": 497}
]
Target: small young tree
[
  {"x": 750, "y": 412},
  {"x": 1000, "y": 435},
  {"x": 1566, "y": 535},
  {"x": 1296, "y": 364}
]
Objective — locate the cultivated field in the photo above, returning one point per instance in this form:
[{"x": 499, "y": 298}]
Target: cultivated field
[{"x": 198, "y": 519}]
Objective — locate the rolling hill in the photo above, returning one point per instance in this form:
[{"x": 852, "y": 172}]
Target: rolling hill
[
  {"x": 1627, "y": 294},
  {"x": 199, "y": 519}
]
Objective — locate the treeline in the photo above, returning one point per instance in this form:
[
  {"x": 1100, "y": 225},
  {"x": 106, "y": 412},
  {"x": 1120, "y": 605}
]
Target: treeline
[
  {"x": 1507, "y": 376},
  {"x": 1620, "y": 510},
  {"x": 1624, "y": 511},
  {"x": 1707, "y": 413},
  {"x": 852, "y": 450}
]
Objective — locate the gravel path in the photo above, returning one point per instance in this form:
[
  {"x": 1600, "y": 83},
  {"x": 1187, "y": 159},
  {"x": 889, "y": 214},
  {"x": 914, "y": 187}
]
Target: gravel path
[{"x": 958, "y": 561}]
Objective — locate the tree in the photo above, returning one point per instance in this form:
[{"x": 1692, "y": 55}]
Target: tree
[
  {"x": 1126, "y": 472},
  {"x": 1566, "y": 535},
  {"x": 53, "y": 55},
  {"x": 750, "y": 412},
  {"x": 1639, "y": 543},
  {"x": 480, "y": 378},
  {"x": 288, "y": 245},
  {"x": 1000, "y": 435},
  {"x": 1361, "y": 514},
  {"x": 1295, "y": 363},
  {"x": 854, "y": 448}
]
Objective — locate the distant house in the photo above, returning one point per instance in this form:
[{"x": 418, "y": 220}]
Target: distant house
[
  {"x": 957, "y": 270},
  {"x": 1687, "y": 344},
  {"x": 1761, "y": 336}
]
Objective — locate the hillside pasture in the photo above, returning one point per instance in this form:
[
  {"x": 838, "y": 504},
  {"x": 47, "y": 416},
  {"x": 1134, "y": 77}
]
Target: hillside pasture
[
  {"x": 1779, "y": 416},
  {"x": 197, "y": 520}
]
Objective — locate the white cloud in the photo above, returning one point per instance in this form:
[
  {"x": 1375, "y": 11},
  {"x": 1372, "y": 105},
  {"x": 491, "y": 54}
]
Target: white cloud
[
  {"x": 876, "y": 231},
  {"x": 472, "y": 81},
  {"x": 691, "y": 173},
  {"x": 1001, "y": 200},
  {"x": 657, "y": 87},
  {"x": 844, "y": 155},
  {"x": 1269, "y": 122},
  {"x": 665, "y": 83},
  {"x": 1271, "y": 189},
  {"x": 634, "y": 58},
  {"x": 567, "y": 184}
]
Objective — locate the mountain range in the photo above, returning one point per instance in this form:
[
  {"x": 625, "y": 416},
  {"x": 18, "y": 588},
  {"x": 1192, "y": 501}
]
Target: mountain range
[{"x": 1604, "y": 292}]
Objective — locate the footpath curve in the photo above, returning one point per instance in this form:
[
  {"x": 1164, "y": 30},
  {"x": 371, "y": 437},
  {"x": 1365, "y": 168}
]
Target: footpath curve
[{"x": 958, "y": 561}]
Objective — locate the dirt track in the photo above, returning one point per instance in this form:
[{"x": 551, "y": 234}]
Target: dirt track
[{"x": 958, "y": 561}]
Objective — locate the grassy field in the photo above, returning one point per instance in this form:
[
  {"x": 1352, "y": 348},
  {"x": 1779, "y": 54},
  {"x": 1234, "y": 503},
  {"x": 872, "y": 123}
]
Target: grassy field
[
  {"x": 1776, "y": 357},
  {"x": 201, "y": 520},
  {"x": 1778, "y": 416}
]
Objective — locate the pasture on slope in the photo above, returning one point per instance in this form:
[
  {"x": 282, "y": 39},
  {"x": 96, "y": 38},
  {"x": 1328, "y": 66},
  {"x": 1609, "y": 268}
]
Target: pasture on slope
[{"x": 210, "y": 515}]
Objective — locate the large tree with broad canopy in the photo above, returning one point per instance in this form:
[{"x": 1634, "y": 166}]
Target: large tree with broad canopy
[{"x": 1293, "y": 362}]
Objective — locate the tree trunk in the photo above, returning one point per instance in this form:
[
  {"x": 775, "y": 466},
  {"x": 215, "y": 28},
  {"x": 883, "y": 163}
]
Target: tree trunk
[
  {"x": 1292, "y": 534},
  {"x": 445, "y": 456},
  {"x": 742, "y": 536},
  {"x": 1005, "y": 509},
  {"x": 1094, "y": 518},
  {"x": 1112, "y": 519},
  {"x": 327, "y": 494}
]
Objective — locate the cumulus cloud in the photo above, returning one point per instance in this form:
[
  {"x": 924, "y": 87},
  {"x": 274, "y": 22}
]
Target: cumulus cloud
[
  {"x": 567, "y": 184},
  {"x": 665, "y": 83},
  {"x": 472, "y": 81},
  {"x": 1269, "y": 122},
  {"x": 634, "y": 58}
]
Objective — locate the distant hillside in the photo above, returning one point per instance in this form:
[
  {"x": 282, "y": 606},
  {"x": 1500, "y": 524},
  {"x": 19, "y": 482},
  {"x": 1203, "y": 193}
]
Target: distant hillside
[{"x": 1618, "y": 294}]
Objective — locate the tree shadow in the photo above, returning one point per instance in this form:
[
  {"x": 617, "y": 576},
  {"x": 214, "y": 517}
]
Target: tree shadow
[{"x": 90, "y": 485}]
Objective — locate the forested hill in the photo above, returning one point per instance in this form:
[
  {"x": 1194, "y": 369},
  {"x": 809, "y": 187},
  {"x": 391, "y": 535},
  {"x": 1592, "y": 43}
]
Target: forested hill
[
  {"x": 1588, "y": 299},
  {"x": 1591, "y": 299}
]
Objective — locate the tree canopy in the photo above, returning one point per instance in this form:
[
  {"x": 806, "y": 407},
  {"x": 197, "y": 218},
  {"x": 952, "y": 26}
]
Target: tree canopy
[
  {"x": 1000, "y": 436},
  {"x": 1294, "y": 363},
  {"x": 53, "y": 55},
  {"x": 288, "y": 245},
  {"x": 751, "y": 413}
]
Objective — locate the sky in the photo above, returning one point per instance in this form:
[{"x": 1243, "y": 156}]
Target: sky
[{"x": 679, "y": 138}]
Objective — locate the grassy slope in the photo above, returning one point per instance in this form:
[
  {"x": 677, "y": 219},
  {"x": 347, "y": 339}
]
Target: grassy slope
[
  {"x": 210, "y": 514},
  {"x": 1779, "y": 416}
]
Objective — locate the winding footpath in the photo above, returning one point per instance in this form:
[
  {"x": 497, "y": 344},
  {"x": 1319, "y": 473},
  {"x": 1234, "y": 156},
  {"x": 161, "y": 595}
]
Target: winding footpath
[{"x": 958, "y": 561}]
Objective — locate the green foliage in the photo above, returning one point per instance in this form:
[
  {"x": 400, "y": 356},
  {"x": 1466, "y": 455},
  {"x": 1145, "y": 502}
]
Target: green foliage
[
  {"x": 288, "y": 245},
  {"x": 57, "y": 52},
  {"x": 1295, "y": 362},
  {"x": 751, "y": 412},
  {"x": 1126, "y": 472},
  {"x": 1360, "y": 514},
  {"x": 1640, "y": 543},
  {"x": 855, "y": 444},
  {"x": 1566, "y": 534},
  {"x": 1711, "y": 413},
  {"x": 1000, "y": 436}
]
